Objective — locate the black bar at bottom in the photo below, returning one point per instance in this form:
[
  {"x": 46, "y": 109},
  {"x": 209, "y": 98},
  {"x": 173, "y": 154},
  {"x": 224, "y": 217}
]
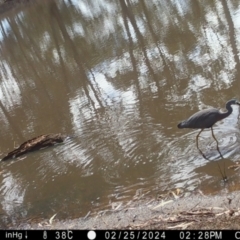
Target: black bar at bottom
[{"x": 120, "y": 234}]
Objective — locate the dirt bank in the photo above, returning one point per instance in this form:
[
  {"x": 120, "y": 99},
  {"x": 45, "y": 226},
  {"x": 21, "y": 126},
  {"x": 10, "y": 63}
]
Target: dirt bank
[{"x": 193, "y": 212}]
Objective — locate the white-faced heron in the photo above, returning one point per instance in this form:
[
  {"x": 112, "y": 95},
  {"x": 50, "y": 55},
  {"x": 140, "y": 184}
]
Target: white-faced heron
[{"x": 207, "y": 118}]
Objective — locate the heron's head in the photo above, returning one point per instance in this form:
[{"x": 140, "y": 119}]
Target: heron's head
[
  {"x": 233, "y": 101},
  {"x": 237, "y": 102}
]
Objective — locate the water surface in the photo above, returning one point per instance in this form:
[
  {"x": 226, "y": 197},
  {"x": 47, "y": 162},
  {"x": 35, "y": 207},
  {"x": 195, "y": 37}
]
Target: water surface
[{"x": 118, "y": 76}]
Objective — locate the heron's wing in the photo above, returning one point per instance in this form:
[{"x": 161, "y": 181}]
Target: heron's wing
[{"x": 203, "y": 119}]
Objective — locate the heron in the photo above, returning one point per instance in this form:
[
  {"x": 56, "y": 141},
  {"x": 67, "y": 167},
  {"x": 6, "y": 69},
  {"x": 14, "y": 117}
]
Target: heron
[{"x": 207, "y": 118}]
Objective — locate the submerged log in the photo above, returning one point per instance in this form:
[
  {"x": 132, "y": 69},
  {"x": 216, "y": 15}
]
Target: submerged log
[{"x": 36, "y": 143}]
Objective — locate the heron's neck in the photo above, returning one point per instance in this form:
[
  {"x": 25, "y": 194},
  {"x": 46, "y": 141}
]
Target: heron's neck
[{"x": 226, "y": 114}]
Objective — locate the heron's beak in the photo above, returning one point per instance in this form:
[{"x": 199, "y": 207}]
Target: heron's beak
[{"x": 237, "y": 102}]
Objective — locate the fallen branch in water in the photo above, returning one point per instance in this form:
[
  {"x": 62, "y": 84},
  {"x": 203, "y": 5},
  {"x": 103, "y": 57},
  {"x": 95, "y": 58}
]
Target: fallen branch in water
[{"x": 36, "y": 143}]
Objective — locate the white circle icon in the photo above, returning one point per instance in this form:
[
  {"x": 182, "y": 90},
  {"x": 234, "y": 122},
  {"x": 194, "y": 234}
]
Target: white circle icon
[{"x": 91, "y": 235}]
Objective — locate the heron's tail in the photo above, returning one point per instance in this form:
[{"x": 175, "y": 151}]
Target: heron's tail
[{"x": 181, "y": 125}]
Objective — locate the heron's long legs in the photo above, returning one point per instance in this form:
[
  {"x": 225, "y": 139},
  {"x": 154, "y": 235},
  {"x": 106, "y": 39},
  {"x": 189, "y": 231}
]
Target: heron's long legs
[
  {"x": 224, "y": 176},
  {"x": 197, "y": 138},
  {"x": 198, "y": 147},
  {"x": 216, "y": 142}
]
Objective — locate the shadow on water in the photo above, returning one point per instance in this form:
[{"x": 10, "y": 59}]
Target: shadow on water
[{"x": 119, "y": 76}]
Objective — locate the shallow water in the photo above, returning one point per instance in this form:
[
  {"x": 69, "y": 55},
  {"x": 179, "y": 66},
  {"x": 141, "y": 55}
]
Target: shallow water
[{"x": 117, "y": 76}]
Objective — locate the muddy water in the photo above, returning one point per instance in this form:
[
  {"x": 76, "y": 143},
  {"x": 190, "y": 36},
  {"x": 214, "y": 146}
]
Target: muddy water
[{"x": 118, "y": 76}]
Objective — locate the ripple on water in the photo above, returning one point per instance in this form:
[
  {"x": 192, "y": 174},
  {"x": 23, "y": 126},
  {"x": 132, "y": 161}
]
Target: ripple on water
[{"x": 184, "y": 157}]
